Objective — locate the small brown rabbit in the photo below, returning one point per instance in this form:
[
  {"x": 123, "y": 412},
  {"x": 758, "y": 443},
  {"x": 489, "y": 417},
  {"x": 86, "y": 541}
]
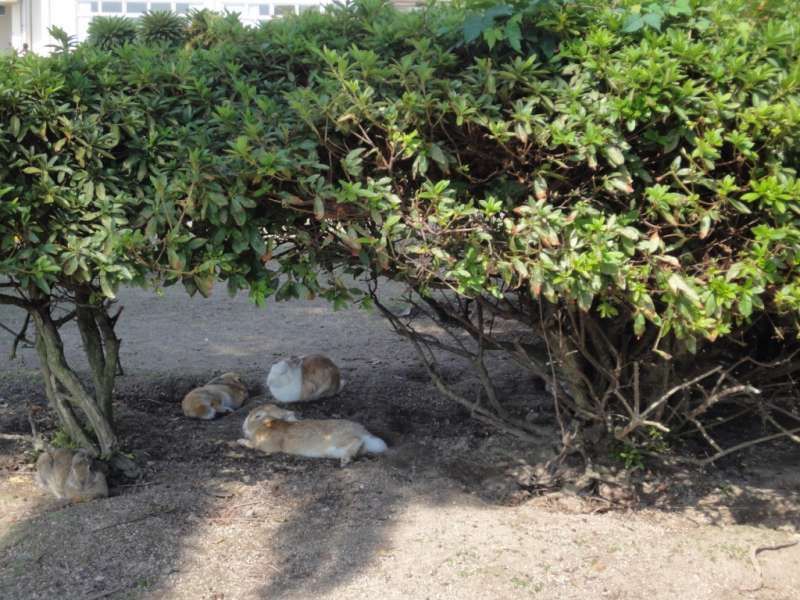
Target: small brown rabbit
[
  {"x": 223, "y": 394},
  {"x": 263, "y": 413},
  {"x": 328, "y": 438},
  {"x": 304, "y": 378},
  {"x": 70, "y": 475}
]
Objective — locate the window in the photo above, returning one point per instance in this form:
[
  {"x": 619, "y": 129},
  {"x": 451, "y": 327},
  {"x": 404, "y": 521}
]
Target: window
[
  {"x": 88, "y": 7},
  {"x": 281, "y": 10},
  {"x": 251, "y": 12},
  {"x": 2, "y": 11}
]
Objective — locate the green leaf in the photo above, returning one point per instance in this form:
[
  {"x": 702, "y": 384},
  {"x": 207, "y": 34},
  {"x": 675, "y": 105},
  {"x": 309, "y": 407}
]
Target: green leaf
[
  {"x": 14, "y": 126},
  {"x": 740, "y": 206},
  {"x": 190, "y": 286},
  {"x": 615, "y": 156},
  {"x": 681, "y": 7},
  {"x": 678, "y": 285},
  {"x": 42, "y": 284},
  {"x": 435, "y": 152},
  {"x": 319, "y": 208},
  {"x": 204, "y": 284},
  {"x": 633, "y": 23},
  {"x": 652, "y": 20},
  {"x": 175, "y": 261},
  {"x": 540, "y": 187},
  {"x": 106, "y": 288},
  {"x": 514, "y": 35},
  {"x": 499, "y": 10},
  {"x": 71, "y": 265},
  {"x": 746, "y": 305},
  {"x": 474, "y": 27}
]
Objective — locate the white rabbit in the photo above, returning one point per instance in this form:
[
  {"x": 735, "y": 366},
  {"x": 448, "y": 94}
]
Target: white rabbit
[{"x": 304, "y": 378}]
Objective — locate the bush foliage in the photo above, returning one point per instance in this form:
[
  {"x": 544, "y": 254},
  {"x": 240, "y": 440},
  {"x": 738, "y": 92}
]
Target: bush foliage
[
  {"x": 616, "y": 180},
  {"x": 110, "y": 32}
]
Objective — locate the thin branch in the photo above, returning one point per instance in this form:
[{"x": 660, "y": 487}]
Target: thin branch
[
  {"x": 65, "y": 319},
  {"x": 714, "y": 398},
  {"x": 143, "y": 517},
  {"x": 20, "y": 336},
  {"x": 707, "y": 461},
  {"x": 780, "y": 427},
  {"x": 478, "y": 412},
  {"x": 678, "y": 388},
  {"x": 14, "y": 301},
  {"x": 704, "y": 433}
]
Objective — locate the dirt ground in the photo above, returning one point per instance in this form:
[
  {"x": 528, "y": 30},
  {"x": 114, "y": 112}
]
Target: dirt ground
[{"x": 453, "y": 510}]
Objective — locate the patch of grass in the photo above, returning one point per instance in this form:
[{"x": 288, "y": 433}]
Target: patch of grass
[{"x": 62, "y": 440}]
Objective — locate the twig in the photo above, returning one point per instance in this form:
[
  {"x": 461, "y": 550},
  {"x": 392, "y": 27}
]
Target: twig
[
  {"x": 744, "y": 445},
  {"x": 717, "y": 423},
  {"x": 780, "y": 427},
  {"x": 714, "y": 398},
  {"x": 677, "y": 389},
  {"x": 11, "y": 437},
  {"x": 705, "y": 434},
  {"x": 707, "y": 461},
  {"x": 754, "y": 560},
  {"x": 477, "y": 412},
  {"x": 65, "y": 319},
  {"x": 19, "y": 337},
  {"x": 140, "y": 484},
  {"x": 136, "y": 519}
]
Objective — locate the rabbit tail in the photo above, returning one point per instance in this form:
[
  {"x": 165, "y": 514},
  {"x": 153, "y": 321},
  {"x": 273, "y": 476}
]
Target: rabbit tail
[{"x": 373, "y": 445}]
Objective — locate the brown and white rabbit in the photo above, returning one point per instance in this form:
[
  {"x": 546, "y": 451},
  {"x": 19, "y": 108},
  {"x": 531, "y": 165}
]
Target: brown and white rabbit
[
  {"x": 304, "y": 378},
  {"x": 264, "y": 413},
  {"x": 314, "y": 438},
  {"x": 223, "y": 394},
  {"x": 70, "y": 475}
]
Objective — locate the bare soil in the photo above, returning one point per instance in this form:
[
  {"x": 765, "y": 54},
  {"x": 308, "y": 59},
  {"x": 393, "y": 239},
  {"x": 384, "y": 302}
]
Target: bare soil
[{"x": 453, "y": 510}]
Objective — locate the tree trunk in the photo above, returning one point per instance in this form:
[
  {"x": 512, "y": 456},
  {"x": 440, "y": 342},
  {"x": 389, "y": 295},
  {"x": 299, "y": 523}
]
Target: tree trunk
[
  {"x": 66, "y": 392},
  {"x": 58, "y": 403},
  {"x": 102, "y": 349}
]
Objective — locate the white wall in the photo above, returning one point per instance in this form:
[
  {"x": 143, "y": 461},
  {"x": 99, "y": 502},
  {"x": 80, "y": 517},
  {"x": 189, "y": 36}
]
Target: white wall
[
  {"x": 5, "y": 27},
  {"x": 74, "y": 16}
]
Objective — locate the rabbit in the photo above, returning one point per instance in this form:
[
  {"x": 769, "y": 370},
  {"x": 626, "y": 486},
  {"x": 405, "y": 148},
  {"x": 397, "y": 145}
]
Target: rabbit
[
  {"x": 328, "y": 438},
  {"x": 223, "y": 394},
  {"x": 70, "y": 475},
  {"x": 304, "y": 378},
  {"x": 265, "y": 412}
]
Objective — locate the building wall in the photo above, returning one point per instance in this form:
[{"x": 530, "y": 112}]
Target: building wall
[
  {"x": 5, "y": 27},
  {"x": 74, "y": 16}
]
